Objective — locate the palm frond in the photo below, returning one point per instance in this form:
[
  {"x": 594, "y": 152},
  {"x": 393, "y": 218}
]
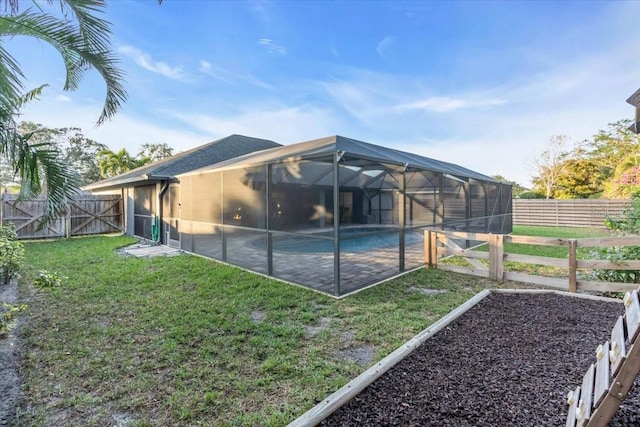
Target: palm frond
[
  {"x": 10, "y": 83},
  {"x": 95, "y": 30},
  {"x": 31, "y": 95},
  {"x": 76, "y": 53}
]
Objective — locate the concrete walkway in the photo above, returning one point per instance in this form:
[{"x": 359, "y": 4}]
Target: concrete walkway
[{"x": 148, "y": 250}]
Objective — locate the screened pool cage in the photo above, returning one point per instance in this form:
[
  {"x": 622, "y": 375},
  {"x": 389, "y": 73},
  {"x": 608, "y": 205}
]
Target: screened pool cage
[{"x": 334, "y": 214}]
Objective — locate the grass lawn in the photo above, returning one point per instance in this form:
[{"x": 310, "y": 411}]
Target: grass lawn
[
  {"x": 188, "y": 341},
  {"x": 564, "y": 232}
]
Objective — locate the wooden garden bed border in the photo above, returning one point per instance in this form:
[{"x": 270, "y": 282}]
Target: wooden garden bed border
[{"x": 354, "y": 387}]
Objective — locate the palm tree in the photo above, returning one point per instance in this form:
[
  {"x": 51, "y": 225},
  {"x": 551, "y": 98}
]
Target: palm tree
[
  {"x": 82, "y": 39},
  {"x": 115, "y": 163}
]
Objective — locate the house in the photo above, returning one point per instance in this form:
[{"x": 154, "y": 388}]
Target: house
[
  {"x": 149, "y": 192},
  {"x": 635, "y": 101},
  {"x": 335, "y": 214}
]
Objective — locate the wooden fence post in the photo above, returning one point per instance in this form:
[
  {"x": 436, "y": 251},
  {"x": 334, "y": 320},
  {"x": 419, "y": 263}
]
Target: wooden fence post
[
  {"x": 496, "y": 257},
  {"x": 67, "y": 222},
  {"x": 430, "y": 249},
  {"x": 573, "y": 266}
]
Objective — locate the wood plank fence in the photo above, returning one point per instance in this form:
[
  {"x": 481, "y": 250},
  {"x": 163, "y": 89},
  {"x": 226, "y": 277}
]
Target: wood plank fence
[
  {"x": 439, "y": 244},
  {"x": 86, "y": 215},
  {"x": 567, "y": 213}
]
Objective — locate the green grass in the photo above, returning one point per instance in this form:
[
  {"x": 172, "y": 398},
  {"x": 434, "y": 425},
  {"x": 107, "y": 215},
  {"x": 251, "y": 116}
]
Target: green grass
[
  {"x": 561, "y": 232},
  {"x": 175, "y": 341}
]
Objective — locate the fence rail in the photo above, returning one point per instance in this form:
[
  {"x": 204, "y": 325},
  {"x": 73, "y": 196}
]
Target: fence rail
[
  {"x": 439, "y": 244},
  {"x": 85, "y": 215},
  {"x": 567, "y": 213}
]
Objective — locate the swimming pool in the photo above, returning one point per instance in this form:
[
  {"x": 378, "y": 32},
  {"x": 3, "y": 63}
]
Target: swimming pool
[{"x": 350, "y": 241}]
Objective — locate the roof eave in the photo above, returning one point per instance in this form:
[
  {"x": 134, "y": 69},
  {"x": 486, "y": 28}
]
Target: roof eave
[
  {"x": 634, "y": 99},
  {"x": 127, "y": 182}
]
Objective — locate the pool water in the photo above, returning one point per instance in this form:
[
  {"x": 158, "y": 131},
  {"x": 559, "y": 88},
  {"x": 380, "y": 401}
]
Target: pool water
[{"x": 298, "y": 244}]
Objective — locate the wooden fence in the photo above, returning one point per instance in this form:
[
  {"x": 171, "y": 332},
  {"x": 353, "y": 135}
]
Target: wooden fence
[
  {"x": 443, "y": 243},
  {"x": 567, "y": 213},
  {"x": 88, "y": 214}
]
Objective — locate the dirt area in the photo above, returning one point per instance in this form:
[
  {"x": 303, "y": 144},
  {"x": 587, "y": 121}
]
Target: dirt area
[
  {"x": 509, "y": 361},
  {"x": 9, "y": 379}
]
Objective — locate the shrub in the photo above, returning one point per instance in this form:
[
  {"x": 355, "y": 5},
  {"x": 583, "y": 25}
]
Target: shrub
[
  {"x": 531, "y": 195},
  {"x": 629, "y": 221},
  {"x": 11, "y": 253},
  {"x": 48, "y": 280},
  {"x": 617, "y": 255},
  {"x": 8, "y": 313}
]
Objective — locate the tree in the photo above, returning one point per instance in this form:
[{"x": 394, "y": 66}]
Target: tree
[
  {"x": 7, "y": 177},
  {"x": 581, "y": 178},
  {"x": 516, "y": 189},
  {"x": 155, "y": 152},
  {"x": 614, "y": 147},
  {"x": 551, "y": 164},
  {"x": 115, "y": 163},
  {"x": 74, "y": 149},
  {"x": 81, "y": 36}
]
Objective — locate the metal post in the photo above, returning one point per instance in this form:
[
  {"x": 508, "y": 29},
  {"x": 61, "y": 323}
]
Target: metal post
[
  {"x": 224, "y": 236},
  {"x": 485, "y": 186},
  {"x": 401, "y": 219},
  {"x": 267, "y": 224},
  {"x": 467, "y": 213},
  {"x": 336, "y": 225},
  {"x": 441, "y": 201}
]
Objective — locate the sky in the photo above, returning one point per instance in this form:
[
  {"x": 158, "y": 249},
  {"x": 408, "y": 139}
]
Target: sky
[{"x": 481, "y": 84}]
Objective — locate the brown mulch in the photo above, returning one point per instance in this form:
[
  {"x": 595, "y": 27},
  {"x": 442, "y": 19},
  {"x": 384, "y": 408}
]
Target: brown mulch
[{"x": 509, "y": 361}]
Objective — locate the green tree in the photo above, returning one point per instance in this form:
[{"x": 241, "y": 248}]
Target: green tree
[
  {"x": 113, "y": 163},
  {"x": 7, "y": 177},
  {"x": 581, "y": 178},
  {"x": 81, "y": 36},
  {"x": 74, "y": 149},
  {"x": 516, "y": 189},
  {"x": 155, "y": 152},
  {"x": 615, "y": 149}
]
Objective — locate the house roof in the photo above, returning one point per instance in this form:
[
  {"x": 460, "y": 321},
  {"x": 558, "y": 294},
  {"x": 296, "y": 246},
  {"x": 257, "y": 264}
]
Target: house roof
[
  {"x": 351, "y": 147},
  {"x": 204, "y": 155},
  {"x": 635, "y": 99}
]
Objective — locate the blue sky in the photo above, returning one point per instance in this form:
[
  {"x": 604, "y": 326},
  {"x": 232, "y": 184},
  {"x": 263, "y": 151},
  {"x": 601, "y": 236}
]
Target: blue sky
[{"x": 481, "y": 84}]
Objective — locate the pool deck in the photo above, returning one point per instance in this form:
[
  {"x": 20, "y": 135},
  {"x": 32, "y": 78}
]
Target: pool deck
[
  {"x": 315, "y": 270},
  {"x": 247, "y": 249}
]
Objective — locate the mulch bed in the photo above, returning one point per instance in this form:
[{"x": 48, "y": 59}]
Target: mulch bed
[{"x": 509, "y": 361}]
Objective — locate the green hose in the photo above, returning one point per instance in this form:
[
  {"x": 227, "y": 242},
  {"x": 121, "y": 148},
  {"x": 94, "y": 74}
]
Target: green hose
[{"x": 155, "y": 229}]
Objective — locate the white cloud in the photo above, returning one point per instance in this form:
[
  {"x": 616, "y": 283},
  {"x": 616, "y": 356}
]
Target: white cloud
[
  {"x": 282, "y": 124},
  {"x": 385, "y": 46},
  {"x": 226, "y": 76},
  {"x": 145, "y": 61},
  {"x": 123, "y": 131},
  {"x": 218, "y": 73},
  {"x": 63, "y": 98},
  {"x": 447, "y": 104},
  {"x": 272, "y": 47}
]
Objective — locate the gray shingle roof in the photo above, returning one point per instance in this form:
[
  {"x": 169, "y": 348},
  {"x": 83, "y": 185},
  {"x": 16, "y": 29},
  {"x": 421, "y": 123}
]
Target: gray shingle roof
[{"x": 204, "y": 155}]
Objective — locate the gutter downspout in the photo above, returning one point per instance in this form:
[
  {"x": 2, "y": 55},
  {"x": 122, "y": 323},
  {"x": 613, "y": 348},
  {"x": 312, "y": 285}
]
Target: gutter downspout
[{"x": 163, "y": 190}]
